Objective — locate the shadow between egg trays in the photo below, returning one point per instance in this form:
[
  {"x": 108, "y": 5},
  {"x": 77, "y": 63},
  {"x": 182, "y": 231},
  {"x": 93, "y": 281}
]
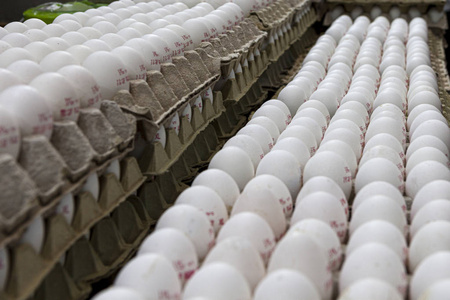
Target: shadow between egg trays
[{"x": 29, "y": 270}]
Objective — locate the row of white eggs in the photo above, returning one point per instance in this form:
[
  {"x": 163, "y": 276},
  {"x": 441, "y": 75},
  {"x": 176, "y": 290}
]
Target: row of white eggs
[
  {"x": 36, "y": 231},
  {"x": 434, "y": 14},
  {"x": 61, "y": 81}
]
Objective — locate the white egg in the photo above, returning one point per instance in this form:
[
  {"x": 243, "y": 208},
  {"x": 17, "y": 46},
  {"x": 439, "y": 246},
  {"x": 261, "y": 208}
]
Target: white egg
[
  {"x": 109, "y": 71},
  {"x": 85, "y": 85},
  {"x": 219, "y": 281},
  {"x": 236, "y": 163},
  {"x": 118, "y": 293},
  {"x": 324, "y": 235},
  {"x": 432, "y": 269},
  {"x": 379, "y": 231},
  {"x": 79, "y": 53},
  {"x": 151, "y": 275},
  {"x": 423, "y": 173},
  {"x": 431, "y": 238},
  {"x": 193, "y": 223},
  {"x": 274, "y": 113},
  {"x": 257, "y": 231},
  {"x": 241, "y": 254},
  {"x": 176, "y": 247},
  {"x": 92, "y": 185},
  {"x": 66, "y": 208},
  {"x": 376, "y": 289},
  {"x": 276, "y": 186},
  {"x": 134, "y": 62},
  {"x": 260, "y": 134},
  {"x": 302, "y": 133},
  {"x": 34, "y": 235},
  {"x": 331, "y": 165},
  {"x": 285, "y": 166},
  {"x": 54, "y": 61},
  {"x": 208, "y": 201},
  {"x": 14, "y": 54},
  {"x": 379, "y": 262},
  {"x": 250, "y": 145},
  {"x": 434, "y": 210},
  {"x": 300, "y": 252},
  {"x": 29, "y": 108},
  {"x": 59, "y": 94},
  {"x": 286, "y": 284}
]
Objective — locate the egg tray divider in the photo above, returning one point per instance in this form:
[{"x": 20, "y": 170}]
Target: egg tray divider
[
  {"x": 43, "y": 177},
  {"x": 28, "y": 269}
]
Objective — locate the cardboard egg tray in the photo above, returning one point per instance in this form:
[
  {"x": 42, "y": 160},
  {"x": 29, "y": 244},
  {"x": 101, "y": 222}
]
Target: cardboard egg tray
[
  {"x": 46, "y": 170},
  {"x": 30, "y": 272},
  {"x": 438, "y": 61}
]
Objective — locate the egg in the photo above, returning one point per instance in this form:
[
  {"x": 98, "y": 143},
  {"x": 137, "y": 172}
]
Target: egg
[
  {"x": 378, "y": 231},
  {"x": 150, "y": 275},
  {"x": 249, "y": 144},
  {"x": 274, "y": 113},
  {"x": 296, "y": 147},
  {"x": 26, "y": 70},
  {"x": 383, "y": 152},
  {"x": 236, "y": 163},
  {"x": 376, "y": 289},
  {"x": 116, "y": 293},
  {"x": 380, "y": 262},
  {"x": 288, "y": 284},
  {"x": 193, "y": 222},
  {"x": 260, "y": 134},
  {"x": 133, "y": 60},
  {"x": 208, "y": 201},
  {"x": 324, "y": 235},
  {"x": 34, "y": 23},
  {"x": 92, "y": 185},
  {"x": 426, "y": 153},
  {"x": 300, "y": 252},
  {"x": 433, "y": 210},
  {"x": 36, "y": 35},
  {"x": 34, "y": 234},
  {"x": 66, "y": 208},
  {"x": 84, "y": 84},
  {"x": 423, "y": 173},
  {"x": 219, "y": 281},
  {"x": 276, "y": 186},
  {"x": 432, "y": 269},
  {"x": 109, "y": 71},
  {"x": 56, "y": 60},
  {"x": 176, "y": 247},
  {"x": 241, "y": 254},
  {"x": 79, "y": 53},
  {"x": 257, "y": 231},
  {"x": 14, "y": 54},
  {"x": 59, "y": 94},
  {"x": 160, "y": 136},
  {"x": 29, "y": 108}
]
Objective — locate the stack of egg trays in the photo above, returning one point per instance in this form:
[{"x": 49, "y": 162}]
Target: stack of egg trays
[
  {"x": 438, "y": 62},
  {"x": 29, "y": 270},
  {"x": 292, "y": 23},
  {"x": 155, "y": 102}
]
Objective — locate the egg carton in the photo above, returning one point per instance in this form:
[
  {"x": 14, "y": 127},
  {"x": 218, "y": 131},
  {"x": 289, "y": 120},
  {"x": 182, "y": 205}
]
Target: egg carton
[{"x": 29, "y": 269}]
